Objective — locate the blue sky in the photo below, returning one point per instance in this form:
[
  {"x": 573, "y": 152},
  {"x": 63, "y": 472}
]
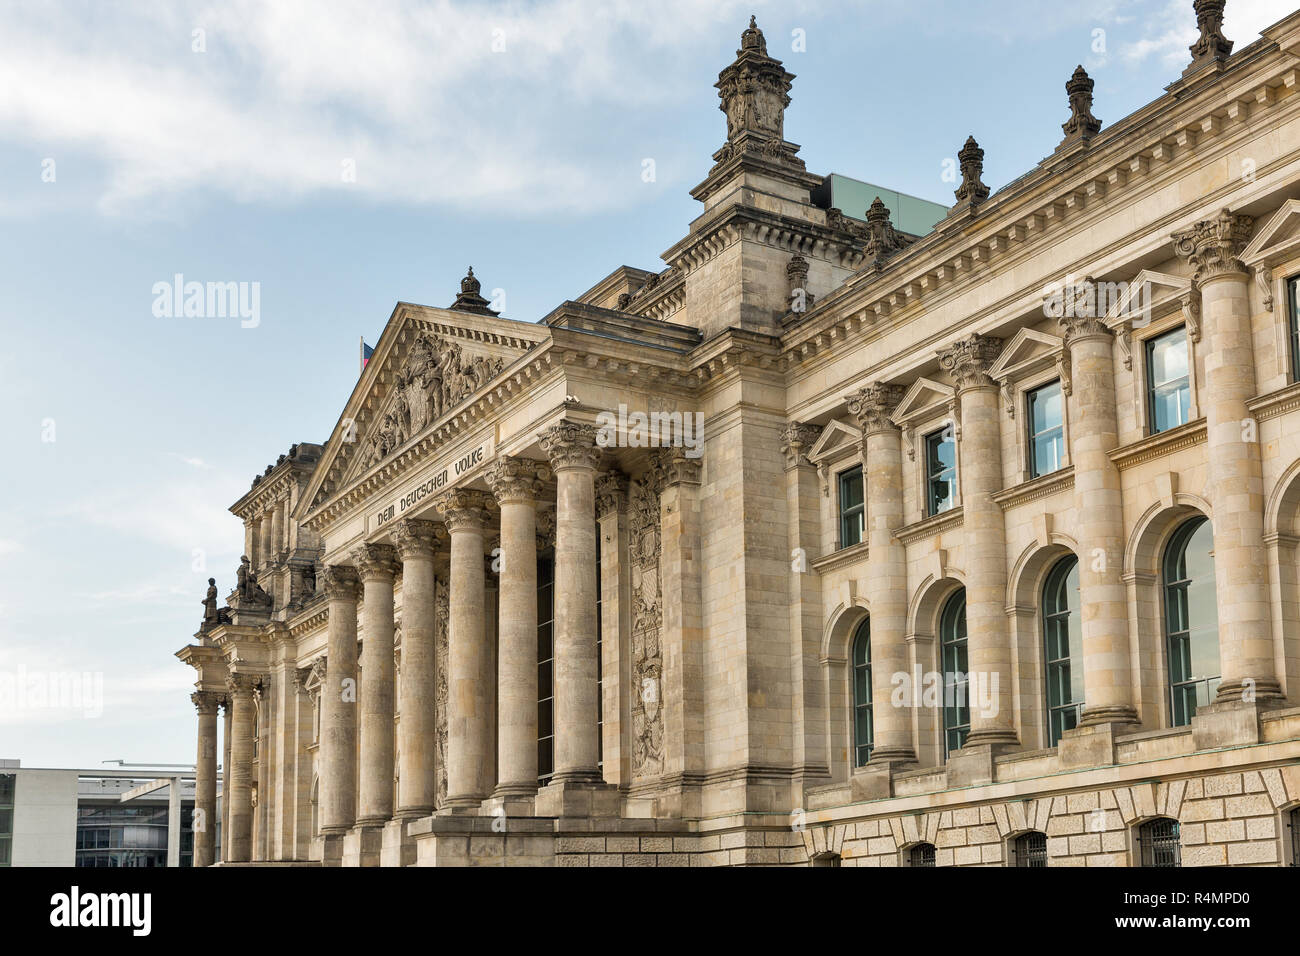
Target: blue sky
[{"x": 510, "y": 136}]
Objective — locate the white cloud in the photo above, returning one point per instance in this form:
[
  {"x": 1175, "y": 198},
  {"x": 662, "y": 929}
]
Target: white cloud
[
  {"x": 412, "y": 93},
  {"x": 1172, "y": 29},
  {"x": 9, "y": 546}
]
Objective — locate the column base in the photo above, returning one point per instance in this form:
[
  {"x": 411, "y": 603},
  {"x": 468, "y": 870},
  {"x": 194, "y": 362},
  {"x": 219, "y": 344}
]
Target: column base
[
  {"x": 397, "y": 848},
  {"x": 510, "y": 803},
  {"x": 1248, "y": 691},
  {"x": 362, "y": 846},
  {"x": 413, "y": 813},
  {"x": 875, "y": 781},
  {"x": 578, "y": 796},
  {"x": 1118, "y": 714},
  {"x": 460, "y": 807},
  {"x": 1092, "y": 744},
  {"x": 893, "y": 756},
  {"x": 973, "y": 764},
  {"x": 1230, "y": 723},
  {"x": 328, "y": 848}
]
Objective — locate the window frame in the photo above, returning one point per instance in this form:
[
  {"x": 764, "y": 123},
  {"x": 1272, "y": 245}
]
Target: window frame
[
  {"x": 1291, "y": 287},
  {"x": 1019, "y": 857},
  {"x": 1140, "y": 360},
  {"x": 927, "y": 853},
  {"x": 1058, "y": 568},
  {"x": 944, "y": 643},
  {"x": 846, "y": 514},
  {"x": 954, "y": 499},
  {"x": 861, "y": 634},
  {"x": 1031, "y": 471},
  {"x": 1180, "y": 537},
  {"x": 1146, "y": 843}
]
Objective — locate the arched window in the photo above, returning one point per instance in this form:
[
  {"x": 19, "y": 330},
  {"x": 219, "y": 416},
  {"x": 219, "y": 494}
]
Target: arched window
[
  {"x": 863, "y": 738},
  {"x": 1029, "y": 849},
  {"x": 1191, "y": 620},
  {"x": 1063, "y": 648},
  {"x": 921, "y": 855},
  {"x": 1158, "y": 843},
  {"x": 952, "y": 639}
]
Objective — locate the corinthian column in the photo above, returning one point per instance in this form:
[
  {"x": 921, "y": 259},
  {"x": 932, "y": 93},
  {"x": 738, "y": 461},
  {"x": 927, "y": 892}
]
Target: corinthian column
[
  {"x": 985, "y": 551},
  {"x": 240, "y": 791},
  {"x": 338, "y": 705},
  {"x": 277, "y": 528},
  {"x": 205, "y": 778},
  {"x": 469, "y": 750},
  {"x": 886, "y": 580},
  {"x": 574, "y": 455},
  {"x": 377, "y": 564},
  {"x": 417, "y": 733},
  {"x": 1236, "y": 472},
  {"x": 516, "y": 482},
  {"x": 1098, "y": 524},
  {"x": 267, "y": 547}
]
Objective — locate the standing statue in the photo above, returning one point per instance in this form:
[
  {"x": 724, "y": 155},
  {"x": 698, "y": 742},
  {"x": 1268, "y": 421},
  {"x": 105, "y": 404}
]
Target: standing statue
[
  {"x": 243, "y": 576},
  {"x": 210, "y": 604}
]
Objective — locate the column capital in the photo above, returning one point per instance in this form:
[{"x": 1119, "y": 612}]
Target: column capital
[
  {"x": 242, "y": 685},
  {"x": 611, "y": 492},
  {"x": 339, "y": 582},
  {"x": 465, "y": 508},
  {"x": 418, "y": 537},
  {"x": 571, "y": 445},
  {"x": 375, "y": 561},
  {"x": 1212, "y": 246},
  {"x": 969, "y": 359},
  {"x": 515, "y": 479},
  {"x": 796, "y": 439},
  {"x": 1075, "y": 328},
  {"x": 873, "y": 406},
  {"x": 675, "y": 467},
  {"x": 206, "y": 701}
]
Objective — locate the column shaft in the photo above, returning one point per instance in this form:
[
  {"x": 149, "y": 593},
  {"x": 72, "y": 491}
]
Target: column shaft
[
  {"x": 378, "y": 564},
  {"x": 205, "y": 779},
  {"x": 417, "y": 731},
  {"x": 338, "y": 731},
  {"x": 241, "y": 769}
]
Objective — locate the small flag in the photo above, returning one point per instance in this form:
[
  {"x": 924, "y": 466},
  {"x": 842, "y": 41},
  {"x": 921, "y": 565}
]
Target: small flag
[{"x": 366, "y": 352}]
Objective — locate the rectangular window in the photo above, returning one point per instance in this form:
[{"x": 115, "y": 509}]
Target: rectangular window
[
  {"x": 852, "y": 510},
  {"x": 940, "y": 470},
  {"x": 545, "y": 666},
  {"x": 1046, "y": 420},
  {"x": 1168, "y": 380},
  {"x": 1293, "y": 301}
]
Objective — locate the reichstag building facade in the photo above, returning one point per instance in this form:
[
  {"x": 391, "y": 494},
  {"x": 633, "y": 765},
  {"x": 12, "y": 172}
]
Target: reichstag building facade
[{"x": 834, "y": 542}]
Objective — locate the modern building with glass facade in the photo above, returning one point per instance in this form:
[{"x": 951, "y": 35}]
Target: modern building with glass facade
[
  {"x": 78, "y": 818},
  {"x": 984, "y": 553}
]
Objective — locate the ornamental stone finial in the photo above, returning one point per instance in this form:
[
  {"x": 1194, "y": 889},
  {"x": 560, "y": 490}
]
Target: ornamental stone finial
[
  {"x": 796, "y": 440},
  {"x": 375, "y": 561},
  {"x": 1211, "y": 47},
  {"x": 968, "y": 361},
  {"x": 754, "y": 92},
  {"x": 571, "y": 445},
  {"x": 874, "y": 405},
  {"x": 1082, "y": 126},
  {"x": 1213, "y": 246},
  {"x": 882, "y": 238},
  {"x": 515, "y": 479},
  {"x": 417, "y": 537},
  {"x": 972, "y": 190},
  {"x": 339, "y": 582},
  {"x": 465, "y": 508}
]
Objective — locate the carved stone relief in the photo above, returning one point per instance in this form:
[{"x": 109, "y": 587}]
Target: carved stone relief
[{"x": 647, "y": 617}]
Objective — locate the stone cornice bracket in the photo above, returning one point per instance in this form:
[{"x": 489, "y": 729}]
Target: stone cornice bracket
[
  {"x": 1082, "y": 126},
  {"x": 611, "y": 492},
  {"x": 873, "y": 406},
  {"x": 972, "y": 190},
  {"x": 678, "y": 468},
  {"x": 339, "y": 582},
  {"x": 1213, "y": 246},
  {"x": 969, "y": 360},
  {"x": 206, "y": 701},
  {"x": 465, "y": 508},
  {"x": 375, "y": 561},
  {"x": 418, "y": 537},
  {"x": 797, "y": 440},
  {"x": 515, "y": 479},
  {"x": 571, "y": 445},
  {"x": 1212, "y": 47}
]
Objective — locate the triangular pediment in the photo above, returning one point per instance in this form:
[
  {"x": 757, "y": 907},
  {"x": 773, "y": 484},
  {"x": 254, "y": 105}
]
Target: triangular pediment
[
  {"x": 923, "y": 399},
  {"x": 1277, "y": 239},
  {"x": 1028, "y": 351},
  {"x": 836, "y": 436},
  {"x": 1150, "y": 293},
  {"x": 428, "y": 363}
]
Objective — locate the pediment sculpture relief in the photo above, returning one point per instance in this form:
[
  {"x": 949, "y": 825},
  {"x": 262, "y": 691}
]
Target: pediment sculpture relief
[{"x": 437, "y": 377}]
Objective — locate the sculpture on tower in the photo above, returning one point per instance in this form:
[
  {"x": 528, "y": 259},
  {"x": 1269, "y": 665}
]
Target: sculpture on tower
[{"x": 754, "y": 92}]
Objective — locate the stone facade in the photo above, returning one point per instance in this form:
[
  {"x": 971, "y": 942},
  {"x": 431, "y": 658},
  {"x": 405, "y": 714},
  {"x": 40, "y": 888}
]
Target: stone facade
[{"x": 593, "y": 591}]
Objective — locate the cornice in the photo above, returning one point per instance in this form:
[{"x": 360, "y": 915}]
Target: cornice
[
  {"x": 1275, "y": 403},
  {"x": 1032, "y": 490},
  {"x": 842, "y": 558},
  {"x": 1157, "y": 446},
  {"x": 928, "y": 527}
]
